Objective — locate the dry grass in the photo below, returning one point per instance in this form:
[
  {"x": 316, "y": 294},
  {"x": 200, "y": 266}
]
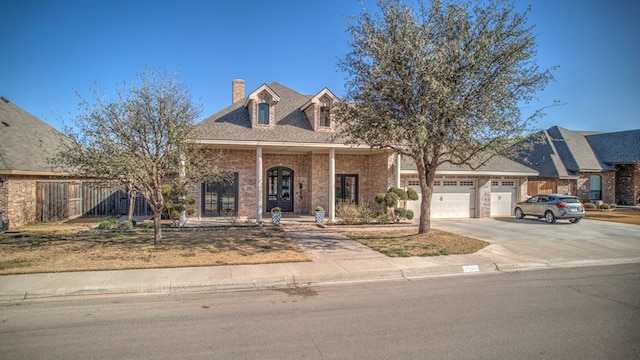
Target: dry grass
[
  {"x": 621, "y": 215},
  {"x": 64, "y": 246},
  {"x": 407, "y": 243}
]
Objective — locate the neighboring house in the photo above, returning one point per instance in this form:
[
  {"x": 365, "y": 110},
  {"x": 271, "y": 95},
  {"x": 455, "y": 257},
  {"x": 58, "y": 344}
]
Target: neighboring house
[
  {"x": 596, "y": 166},
  {"x": 26, "y": 143},
  {"x": 31, "y": 191},
  {"x": 279, "y": 145}
]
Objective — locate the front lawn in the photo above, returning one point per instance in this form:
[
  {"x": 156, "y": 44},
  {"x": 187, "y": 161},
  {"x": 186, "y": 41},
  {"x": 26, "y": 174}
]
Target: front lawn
[{"x": 405, "y": 243}]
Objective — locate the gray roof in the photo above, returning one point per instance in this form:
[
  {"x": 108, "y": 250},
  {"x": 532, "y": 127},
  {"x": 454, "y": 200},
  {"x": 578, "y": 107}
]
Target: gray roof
[
  {"x": 495, "y": 165},
  {"x": 621, "y": 147},
  {"x": 563, "y": 153},
  {"x": 26, "y": 142},
  {"x": 291, "y": 123}
]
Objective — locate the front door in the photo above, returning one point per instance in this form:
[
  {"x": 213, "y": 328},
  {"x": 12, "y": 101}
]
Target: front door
[{"x": 280, "y": 189}]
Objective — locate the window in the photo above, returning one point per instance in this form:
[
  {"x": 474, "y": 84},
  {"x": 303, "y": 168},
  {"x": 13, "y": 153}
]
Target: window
[
  {"x": 346, "y": 188},
  {"x": 508, "y": 183},
  {"x": 449, "y": 183},
  {"x": 263, "y": 114},
  {"x": 595, "y": 184},
  {"x": 413, "y": 182},
  {"x": 325, "y": 116},
  {"x": 495, "y": 183},
  {"x": 220, "y": 198},
  {"x": 466, "y": 183}
]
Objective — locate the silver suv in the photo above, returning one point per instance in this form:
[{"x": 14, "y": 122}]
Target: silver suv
[{"x": 551, "y": 207}]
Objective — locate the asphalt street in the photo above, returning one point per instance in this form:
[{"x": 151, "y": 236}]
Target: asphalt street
[{"x": 573, "y": 313}]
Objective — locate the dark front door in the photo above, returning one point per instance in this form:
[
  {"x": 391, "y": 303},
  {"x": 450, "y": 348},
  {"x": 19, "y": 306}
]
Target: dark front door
[
  {"x": 280, "y": 189},
  {"x": 220, "y": 198}
]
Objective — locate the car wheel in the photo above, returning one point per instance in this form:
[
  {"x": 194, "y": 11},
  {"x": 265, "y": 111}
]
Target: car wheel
[
  {"x": 549, "y": 217},
  {"x": 574, "y": 221},
  {"x": 519, "y": 213}
]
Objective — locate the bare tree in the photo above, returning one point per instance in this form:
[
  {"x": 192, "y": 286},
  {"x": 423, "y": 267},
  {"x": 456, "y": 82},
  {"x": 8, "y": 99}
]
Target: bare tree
[
  {"x": 442, "y": 83},
  {"x": 143, "y": 139}
]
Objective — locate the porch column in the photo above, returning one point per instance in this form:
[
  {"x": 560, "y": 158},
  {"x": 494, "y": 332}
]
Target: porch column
[
  {"x": 259, "y": 186},
  {"x": 332, "y": 185},
  {"x": 398, "y": 160}
]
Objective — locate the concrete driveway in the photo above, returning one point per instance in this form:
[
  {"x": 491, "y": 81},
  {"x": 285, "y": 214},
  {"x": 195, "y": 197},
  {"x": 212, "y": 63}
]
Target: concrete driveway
[{"x": 534, "y": 241}]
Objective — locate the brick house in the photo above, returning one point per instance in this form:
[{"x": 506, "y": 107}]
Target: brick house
[
  {"x": 596, "y": 166},
  {"x": 279, "y": 145},
  {"x": 26, "y": 142}
]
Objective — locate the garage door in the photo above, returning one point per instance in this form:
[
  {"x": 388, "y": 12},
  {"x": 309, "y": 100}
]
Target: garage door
[
  {"x": 503, "y": 197},
  {"x": 451, "y": 199}
]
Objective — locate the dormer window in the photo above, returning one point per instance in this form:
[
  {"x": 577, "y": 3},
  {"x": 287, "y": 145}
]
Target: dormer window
[
  {"x": 263, "y": 114},
  {"x": 325, "y": 116}
]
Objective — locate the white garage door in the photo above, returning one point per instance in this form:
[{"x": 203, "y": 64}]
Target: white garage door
[
  {"x": 503, "y": 197},
  {"x": 451, "y": 199}
]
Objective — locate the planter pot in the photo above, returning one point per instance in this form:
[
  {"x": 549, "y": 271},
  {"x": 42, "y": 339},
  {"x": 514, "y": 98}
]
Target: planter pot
[
  {"x": 319, "y": 216},
  {"x": 276, "y": 217}
]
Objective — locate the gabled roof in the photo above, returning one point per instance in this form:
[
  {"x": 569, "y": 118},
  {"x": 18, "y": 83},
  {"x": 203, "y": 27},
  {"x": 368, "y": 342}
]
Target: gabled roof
[
  {"x": 316, "y": 98},
  {"x": 563, "y": 153},
  {"x": 291, "y": 123},
  {"x": 264, "y": 87},
  {"x": 615, "y": 148},
  {"x": 26, "y": 142}
]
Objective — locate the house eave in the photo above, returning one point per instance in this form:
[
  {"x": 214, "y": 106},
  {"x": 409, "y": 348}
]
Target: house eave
[{"x": 474, "y": 173}]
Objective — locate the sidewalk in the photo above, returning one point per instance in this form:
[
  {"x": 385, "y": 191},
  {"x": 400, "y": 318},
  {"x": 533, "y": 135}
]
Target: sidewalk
[{"x": 335, "y": 259}]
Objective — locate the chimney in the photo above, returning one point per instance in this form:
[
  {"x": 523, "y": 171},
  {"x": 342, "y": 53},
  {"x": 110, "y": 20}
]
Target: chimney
[{"x": 237, "y": 90}]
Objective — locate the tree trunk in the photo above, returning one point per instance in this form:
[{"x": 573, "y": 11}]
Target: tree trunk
[
  {"x": 157, "y": 227},
  {"x": 426, "y": 175},
  {"x": 132, "y": 204}
]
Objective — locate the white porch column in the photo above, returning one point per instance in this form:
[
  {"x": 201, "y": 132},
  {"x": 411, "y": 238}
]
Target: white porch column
[
  {"x": 259, "y": 184},
  {"x": 398, "y": 161},
  {"x": 332, "y": 185}
]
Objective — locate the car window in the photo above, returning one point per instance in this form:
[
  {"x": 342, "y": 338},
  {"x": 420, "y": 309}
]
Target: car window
[
  {"x": 532, "y": 199},
  {"x": 570, "y": 200},
  {"x": 543, "y": 199}
]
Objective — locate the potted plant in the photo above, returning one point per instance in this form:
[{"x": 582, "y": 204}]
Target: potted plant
[
  {"x": 276, "y": 215},
  {"x": 319, "y": 214}
]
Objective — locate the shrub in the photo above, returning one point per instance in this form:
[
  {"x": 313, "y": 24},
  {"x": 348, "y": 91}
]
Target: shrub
[
  {"x": 605, "y": 206},
  {"x": 348, "y": 212},
  {"x": 385, "y": 217},
  {"x": 366, "y": 213},
  {"x": 404, "y": 213},
  {"x": 107, "y": 225},
  {"x": 127, "y": 224},
  {"x": 586, "y": 201},
  {"x": 590, "y": 206},
  {"x": 613, "y": 206}
]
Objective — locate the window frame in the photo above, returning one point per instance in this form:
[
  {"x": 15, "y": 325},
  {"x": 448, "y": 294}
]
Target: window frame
[
  {"x": 325, "y": 116},
  {"x": 263, "y": 108}
]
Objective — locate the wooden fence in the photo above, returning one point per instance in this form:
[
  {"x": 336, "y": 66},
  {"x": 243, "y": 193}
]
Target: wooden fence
[
  {"x": 67, "y": 200},
  {"x": 541, "y": 187}
]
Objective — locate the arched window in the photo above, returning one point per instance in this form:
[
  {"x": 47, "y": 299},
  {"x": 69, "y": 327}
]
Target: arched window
[
  {"x": 263, "y": 114},
  {"x": 325, "y": 116},
  {"x": 595, "y": 185}
]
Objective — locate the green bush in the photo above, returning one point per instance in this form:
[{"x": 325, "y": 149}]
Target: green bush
[
  {"x": 403, "y": 213},
  {"x": 613, "y": 206},
  {"x": 590, "y": 206},
  {"x": 127, "y": 224},
  {"x": 146, "y": 225},
  {"x": 108, "y": 225},
  {"x": 605, "y": 206}
]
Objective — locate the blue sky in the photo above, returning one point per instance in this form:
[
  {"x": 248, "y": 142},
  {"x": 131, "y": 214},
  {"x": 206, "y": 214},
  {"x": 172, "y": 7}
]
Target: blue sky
[{"x": 52, "y": 49}]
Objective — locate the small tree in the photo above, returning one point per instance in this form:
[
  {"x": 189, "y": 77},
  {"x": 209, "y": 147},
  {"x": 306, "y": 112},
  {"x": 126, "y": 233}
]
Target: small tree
[
  {"x": 145, "y": 139},
  {"x": 440, "y": 84}
]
